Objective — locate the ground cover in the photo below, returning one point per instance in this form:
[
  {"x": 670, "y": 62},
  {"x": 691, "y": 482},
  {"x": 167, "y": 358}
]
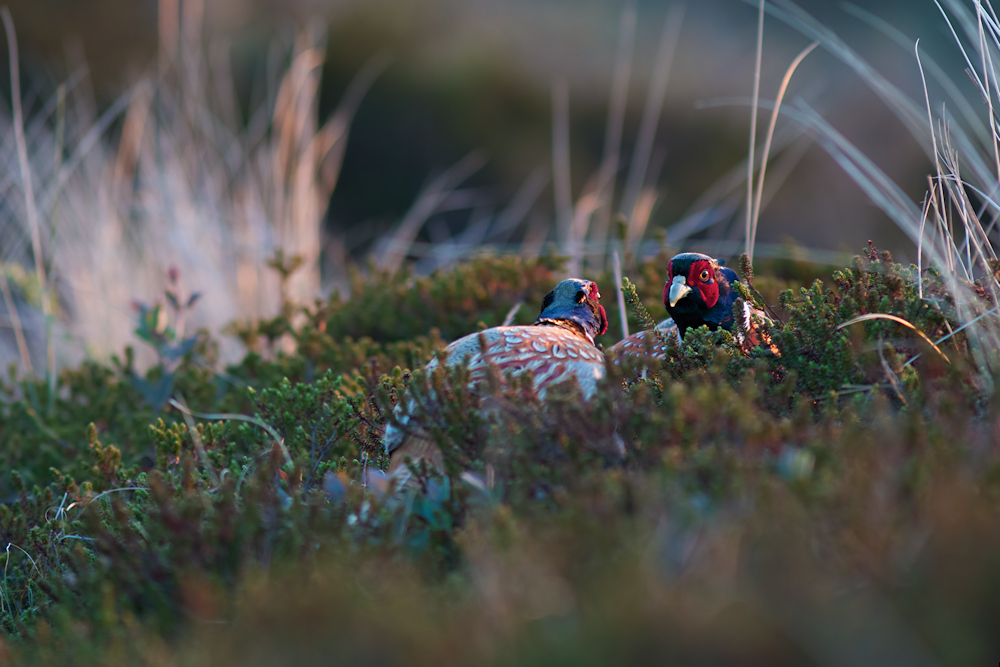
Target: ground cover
[
  {"x": 217, "y": 498},
  {"x": 836, "y": 503}
]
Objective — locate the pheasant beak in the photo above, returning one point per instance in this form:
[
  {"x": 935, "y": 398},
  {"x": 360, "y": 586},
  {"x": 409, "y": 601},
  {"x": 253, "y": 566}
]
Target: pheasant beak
[{"x": 678, "y": 290}]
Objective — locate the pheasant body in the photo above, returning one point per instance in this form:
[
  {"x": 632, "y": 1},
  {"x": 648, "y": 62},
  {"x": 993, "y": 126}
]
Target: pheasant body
[
  {"x": 549, "y": 353},
  {"x": 558, "y": 347},
  {"x": 643, "y": 344},
  {"x": 698, "y": 292}
]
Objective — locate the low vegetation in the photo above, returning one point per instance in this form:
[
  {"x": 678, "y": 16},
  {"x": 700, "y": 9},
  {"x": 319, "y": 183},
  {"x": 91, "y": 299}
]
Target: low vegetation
[
  {"x": 837, "y": 503},
  {"x": 219, "y": 499}
]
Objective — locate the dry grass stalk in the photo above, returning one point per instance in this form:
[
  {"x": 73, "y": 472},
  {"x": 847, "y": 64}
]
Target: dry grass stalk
[
  {"x": 186, "y": 185},
  {"x": 753, "y": 128},
  {"x": 637, "y": 199},
  {"x": 562, "y": 188},
  {"x": 28, "y": 189},
  {"x": 957, "y": 244},
  {"x": 608, "y": 170},
  {"x": 396, "y": 247},
  {"x": 755, "y": 217}
]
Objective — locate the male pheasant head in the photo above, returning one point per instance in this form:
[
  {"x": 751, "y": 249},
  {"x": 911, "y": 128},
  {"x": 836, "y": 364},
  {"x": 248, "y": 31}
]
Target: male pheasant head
[
  {"x": 577, "y": 301},
  {"x": 698, "y": 292}
]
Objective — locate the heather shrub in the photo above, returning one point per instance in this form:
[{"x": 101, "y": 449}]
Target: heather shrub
[{"x": 723, "y": 489}]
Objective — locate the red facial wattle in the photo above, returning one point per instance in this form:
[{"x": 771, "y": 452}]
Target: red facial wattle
[
  {"x": 603, "y": 317},
  {"x": 709, "y": 289}
]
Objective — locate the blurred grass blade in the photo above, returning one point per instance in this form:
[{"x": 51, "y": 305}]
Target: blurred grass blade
[
  {"x": 27, "y": 184},
  {"x": 645, "y": 139},
  {"x": 756, "y": 202},
  {"x": 753, "y": 129},
  {"x": 893, "y": 318}
]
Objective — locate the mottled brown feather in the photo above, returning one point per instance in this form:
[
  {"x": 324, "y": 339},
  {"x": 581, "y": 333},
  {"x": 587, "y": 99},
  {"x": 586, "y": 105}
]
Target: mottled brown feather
[{"x": 549, "y": 353}]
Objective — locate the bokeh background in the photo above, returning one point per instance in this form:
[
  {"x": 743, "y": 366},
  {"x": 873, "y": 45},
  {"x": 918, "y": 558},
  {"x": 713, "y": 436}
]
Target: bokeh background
[{"x": 450, "y": 149}]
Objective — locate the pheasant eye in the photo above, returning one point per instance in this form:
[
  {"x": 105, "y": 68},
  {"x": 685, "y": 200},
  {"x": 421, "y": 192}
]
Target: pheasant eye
[{"x": 704, "y": 275}]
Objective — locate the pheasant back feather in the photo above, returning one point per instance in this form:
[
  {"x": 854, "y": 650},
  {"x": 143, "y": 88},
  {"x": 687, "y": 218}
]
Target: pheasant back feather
[
  {"x": 646, "y": 344},
  {"x": 549, "y": 354},
  {"x": 558, "y": 347}
]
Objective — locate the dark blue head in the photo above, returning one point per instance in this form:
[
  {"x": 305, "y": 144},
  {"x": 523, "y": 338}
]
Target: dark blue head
[
  {"x": 578, "y": 301},
  {"x": 699, "y": 292}
]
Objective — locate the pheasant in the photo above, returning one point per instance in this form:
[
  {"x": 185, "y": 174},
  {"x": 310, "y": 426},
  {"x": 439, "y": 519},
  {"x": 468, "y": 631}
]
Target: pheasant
[
  {"x": 698, "y": 292},
  {"x": 644, "y": 344},
  {"x": 558, "y": 346}
]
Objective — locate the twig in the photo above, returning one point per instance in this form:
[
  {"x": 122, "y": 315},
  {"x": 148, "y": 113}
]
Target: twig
[
  {"x": 198, "y": 444},
  {"x": 621, "y": 296},
  {"x": 747, "y": 267},
  {"x": 632, "y": 297},
  {"x": 512, "y": 313},
  {"x": 893, "y": 380}
]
